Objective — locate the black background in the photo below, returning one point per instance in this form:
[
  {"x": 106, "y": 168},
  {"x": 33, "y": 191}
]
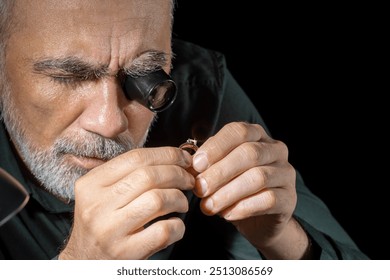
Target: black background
[{"x": 314, "y": 72}]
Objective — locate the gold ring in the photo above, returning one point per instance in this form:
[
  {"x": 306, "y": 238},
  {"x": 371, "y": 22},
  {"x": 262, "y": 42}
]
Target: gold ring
[{"x": 189, "y": 146}]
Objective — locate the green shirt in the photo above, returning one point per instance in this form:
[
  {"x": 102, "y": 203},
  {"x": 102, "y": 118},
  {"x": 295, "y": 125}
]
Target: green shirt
[{"x": 208, "y": 98}]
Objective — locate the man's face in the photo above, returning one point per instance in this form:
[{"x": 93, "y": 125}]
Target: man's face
[{"x": 63, "y": 104}]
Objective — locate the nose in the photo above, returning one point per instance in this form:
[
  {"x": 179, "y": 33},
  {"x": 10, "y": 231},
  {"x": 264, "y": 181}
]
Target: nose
[{"x": 104, "y": 111}]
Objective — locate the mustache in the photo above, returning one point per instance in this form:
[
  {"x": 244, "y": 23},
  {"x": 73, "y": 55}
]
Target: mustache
[{"x": 93, "y": 145}]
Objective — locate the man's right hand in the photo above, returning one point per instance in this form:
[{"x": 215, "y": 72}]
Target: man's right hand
[{"x": 114, "y": 202}]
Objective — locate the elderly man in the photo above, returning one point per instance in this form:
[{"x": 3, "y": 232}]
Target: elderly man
[{"x": 92, "y": 127}]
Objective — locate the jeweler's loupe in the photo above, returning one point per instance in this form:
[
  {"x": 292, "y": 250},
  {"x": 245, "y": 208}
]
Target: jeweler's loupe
[{"x": 156, "y": 91}]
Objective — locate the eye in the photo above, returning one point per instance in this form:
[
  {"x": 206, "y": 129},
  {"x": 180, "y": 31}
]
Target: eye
[
  {"x": 68, "y": 80},
  {"x": 64, "y": 79}
]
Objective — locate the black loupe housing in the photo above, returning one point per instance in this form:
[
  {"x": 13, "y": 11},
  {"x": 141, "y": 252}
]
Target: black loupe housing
[{"x": 156, "y": 91}]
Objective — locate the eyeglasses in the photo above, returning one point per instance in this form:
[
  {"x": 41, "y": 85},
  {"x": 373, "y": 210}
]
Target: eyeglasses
[
  {"x": 156, "y": 91},
  {"x": 13, "y": 196}
]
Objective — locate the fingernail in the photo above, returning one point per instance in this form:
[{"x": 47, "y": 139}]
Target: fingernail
[
  {"x": 201, "y": 182},
  {"x": 200, "y": 162},
  {"x": 209, "y": 204}
]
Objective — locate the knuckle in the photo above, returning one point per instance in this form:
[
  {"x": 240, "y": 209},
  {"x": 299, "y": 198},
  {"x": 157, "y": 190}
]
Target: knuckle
[
  {"x": 258, "y": 176},
  {"x": 136, "y": 157},
  {"x": 258, "y": 127},
  {"x": 161, "y": 236},
  {"x": 164, "y": 233},
  {"x": 136, "y": 212},
  {"x": 155, "y": 200},
  {"x": 214, "y": 174},
  {"x": 292, "y": 173},
  {"x": 266, "y": 200},
  {"x": 283, "y": 149},
  {"x": 250, "y": 151},
  {"x": 269, "y": 199},
  {"x": 181, "y": 202},
  {"x": 239, "y": 129},
  {"x": 122, "y": 187},
  {"x": 172, "y": 154},
  {"x": 291, "y": 170},
  {"x": 143, "y": 176}
]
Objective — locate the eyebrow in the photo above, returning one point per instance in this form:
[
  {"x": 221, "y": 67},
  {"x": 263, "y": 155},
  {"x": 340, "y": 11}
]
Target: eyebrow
[
  {"x": 142, "y": 65},
  {"x": 146, "y": 63}
]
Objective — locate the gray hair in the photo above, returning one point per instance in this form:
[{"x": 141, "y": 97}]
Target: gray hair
[
  {"x": 6, "y": 7},
  {"x": 5, "y": 24}
]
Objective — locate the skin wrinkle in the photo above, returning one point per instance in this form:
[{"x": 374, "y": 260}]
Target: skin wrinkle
[
  {"x": 70, "y": 88},
  {"x": 73, "y": 68},
  {"x": 144, "y": 64},
  {"x": 64, "y": 131}
]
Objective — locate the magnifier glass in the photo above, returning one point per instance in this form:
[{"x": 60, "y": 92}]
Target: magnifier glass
[
  {"x": 156, "y": 91},
  {"x": 13, "y": 196}
]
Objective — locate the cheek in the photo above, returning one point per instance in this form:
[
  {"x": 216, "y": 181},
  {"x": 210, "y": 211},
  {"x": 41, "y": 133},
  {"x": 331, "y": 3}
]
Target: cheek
[
  {"x": 44, "y": 110},
  {"x": 139, "y": 120}
]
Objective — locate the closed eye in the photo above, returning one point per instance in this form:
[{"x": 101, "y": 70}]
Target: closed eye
[
  {"x": 69, "y": 71},
  {"x": 71, "y": 80}
]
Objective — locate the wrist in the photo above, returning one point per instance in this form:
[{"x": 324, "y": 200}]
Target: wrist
[{"x": 292, "y": 244}]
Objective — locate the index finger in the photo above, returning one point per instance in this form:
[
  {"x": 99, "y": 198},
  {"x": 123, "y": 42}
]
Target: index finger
[
  {"x": 227, "y": 139},
  {"x": 126, "y": 163}
]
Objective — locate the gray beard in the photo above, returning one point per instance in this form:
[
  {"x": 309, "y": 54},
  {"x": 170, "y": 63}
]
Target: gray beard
[
  {"x": 54, "y": 172},
  {"x": 50, "y": 166}
]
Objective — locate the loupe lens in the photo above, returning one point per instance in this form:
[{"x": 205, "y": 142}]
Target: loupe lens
[
  {"x": 162, "y": 96},
  {"x": 156, "y": 91}
]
